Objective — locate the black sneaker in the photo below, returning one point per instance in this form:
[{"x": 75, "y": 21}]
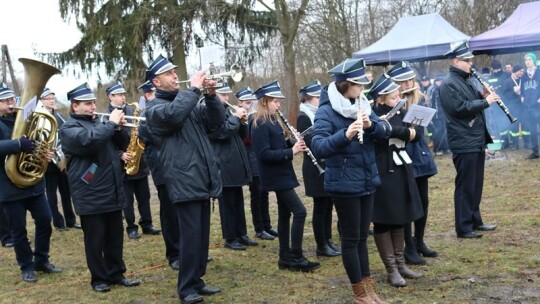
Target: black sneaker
[
  {"x": 29, "y": 276},
  {"x": 48, "y": 268}
]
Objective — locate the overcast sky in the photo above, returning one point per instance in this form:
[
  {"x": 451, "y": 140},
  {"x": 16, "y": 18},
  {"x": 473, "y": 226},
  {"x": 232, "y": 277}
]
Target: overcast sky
[{"x": 36, "y": 24}]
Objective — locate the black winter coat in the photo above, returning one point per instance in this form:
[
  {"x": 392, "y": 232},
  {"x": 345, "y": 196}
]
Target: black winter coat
[
  {"x": 274, "y": 156},
  {"x": 229, "y": 148},
  {"x": 313, "y": 182},
  {"x": 397, "y": 200},
  {"x": 8, "y": 190},
  {"x": 179, "y": 126},
  {"x": 150, "y": 154},
  {"x": 87, "y": 142},
  {"x": 463, "y": 108}
]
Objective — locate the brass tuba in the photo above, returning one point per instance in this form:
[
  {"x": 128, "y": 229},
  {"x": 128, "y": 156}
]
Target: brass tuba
[
  {"x": 27, "y": 169},
  {"x": 136, "y": 146}
]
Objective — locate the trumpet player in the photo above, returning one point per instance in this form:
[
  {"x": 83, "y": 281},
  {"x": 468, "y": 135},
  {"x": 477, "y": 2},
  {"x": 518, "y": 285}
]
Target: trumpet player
[
  {"x": 179, "y": 125},
  {"x": 136, "y": 186},
  {"x": 235, "y": 173},
  {"x": 351, "y": 175},
  {"x": 56, "y": 177},
  {"x": 16, "y": 202},
  {"x": 95, "y": 177}
]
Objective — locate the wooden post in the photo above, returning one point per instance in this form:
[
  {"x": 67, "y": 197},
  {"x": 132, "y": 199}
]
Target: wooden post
[
  {"x": 5, "y": 54},
  {"x": 4, "y": 64}
]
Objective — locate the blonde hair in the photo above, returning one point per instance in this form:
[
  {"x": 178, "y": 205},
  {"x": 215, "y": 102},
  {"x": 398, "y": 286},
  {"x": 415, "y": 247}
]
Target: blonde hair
[
  {"x": 414, "y": 96},
  {"x": 264, "y": 115}
]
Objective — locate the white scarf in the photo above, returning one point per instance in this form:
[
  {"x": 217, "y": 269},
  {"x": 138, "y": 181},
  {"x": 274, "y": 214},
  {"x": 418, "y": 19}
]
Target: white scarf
[
  {"x": 343, "y": 105},
  {"x": 309, "y": 110}
]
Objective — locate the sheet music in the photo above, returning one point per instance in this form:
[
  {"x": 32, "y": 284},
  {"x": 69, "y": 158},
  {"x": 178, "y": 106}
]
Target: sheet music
[
  {"x": 29, "y": 107},
  {"x": 419, "y": 115}
]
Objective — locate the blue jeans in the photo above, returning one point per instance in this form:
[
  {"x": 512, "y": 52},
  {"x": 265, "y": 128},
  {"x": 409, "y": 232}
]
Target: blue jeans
[{"x": 41, "y": 213}]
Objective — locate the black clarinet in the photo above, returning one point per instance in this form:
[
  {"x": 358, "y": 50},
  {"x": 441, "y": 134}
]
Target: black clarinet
[
  {"x": 298, "y": 138},
  {"x": 501, "y": 104}
]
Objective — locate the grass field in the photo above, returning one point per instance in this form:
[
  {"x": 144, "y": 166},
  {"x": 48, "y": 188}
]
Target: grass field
[{"x": 502, "y": 267}]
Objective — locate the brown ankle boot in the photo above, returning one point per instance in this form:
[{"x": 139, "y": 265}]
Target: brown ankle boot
[
  {"x": 361, "y": 295},
  {"x": 370, "y": 288},
  {"x": 386, "y": 251},
  {"x": 399, "y": 243}
]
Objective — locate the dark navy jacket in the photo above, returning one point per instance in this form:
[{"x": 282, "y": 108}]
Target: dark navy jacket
[
  {"x": 88, "y": 142},
  {"x": 274, "y": 156},
  {"x": 350, "y": 170},
  {"x": 150, "y": 154},
  {"x": 8, "y": 190}
]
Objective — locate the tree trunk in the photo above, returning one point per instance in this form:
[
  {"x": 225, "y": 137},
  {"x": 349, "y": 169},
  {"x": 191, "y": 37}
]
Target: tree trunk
[{"x": 179, "y": 55}]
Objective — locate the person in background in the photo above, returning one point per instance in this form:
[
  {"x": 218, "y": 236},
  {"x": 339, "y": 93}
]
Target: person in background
[
  {"x": 425, "y": 84},
  {"x": 313, "y": 179},
  {"x": 275, "y": 156},
  {"x": 56, "y": 177},
  {"x": 351, "y": 174},
  {"x": 422, "y": 163},
  {"x": 235, "y": 171},
  {"x": 260, "y": 213},
  {"x": 136, "y": 186},
  {"x": 167, "y": 216},
  {"x": 468, "y": 136},
  {"x": 440, "y": 143},
  {"x": 530, "y": 96},
  {"x": 511, "y": 94},
  {"x": 495, "y": 114},
  {"x": 17, "y": 201},
  {"x": 508, "y": 68}
]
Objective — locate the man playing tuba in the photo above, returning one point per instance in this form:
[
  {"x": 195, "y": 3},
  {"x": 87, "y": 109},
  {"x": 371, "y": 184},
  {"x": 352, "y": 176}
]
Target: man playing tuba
[{"x": 16, "y": 201}]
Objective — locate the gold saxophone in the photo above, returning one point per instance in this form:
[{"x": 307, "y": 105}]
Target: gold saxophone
[
  {"x": 27, "y": 169},
  {"x": 136, "y": 146}
]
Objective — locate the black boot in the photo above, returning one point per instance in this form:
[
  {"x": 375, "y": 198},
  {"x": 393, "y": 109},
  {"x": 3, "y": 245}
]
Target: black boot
[
  {"x": 411, "y": 255},
  {"x": 333, "y": 246},
  {"x": 327, "y": 251},
  {"x": 424, "y": 250},
  {"x": 298, "y": 262},
  {"x": 283, "y": 262}
]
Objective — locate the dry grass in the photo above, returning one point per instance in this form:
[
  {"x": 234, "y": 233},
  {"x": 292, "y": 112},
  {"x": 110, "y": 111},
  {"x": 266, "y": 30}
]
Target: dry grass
[{"x": 502, "y": 267}]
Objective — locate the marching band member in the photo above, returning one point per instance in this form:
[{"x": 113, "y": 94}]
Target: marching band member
[
  {"x": 397, "y": 201},
  {"x": 277, "y": 174},
  {"x": 235, "y": 173},
  {"x": 313, "y": 181},
  {"x": 95, "y": 177},
  {"x": 179, "y": 125},
  {"x": 56, "y": 177},
  {"x": 260, "y": 212},
  {"x": 137, "y": 185},
  {"x": 467, "y": 137},
  {"x": 423, "y": 166},
  {"x": 167, "y": 216},
  {"x": 351, "y": 175},
  {"x": 17, "y": 201}
]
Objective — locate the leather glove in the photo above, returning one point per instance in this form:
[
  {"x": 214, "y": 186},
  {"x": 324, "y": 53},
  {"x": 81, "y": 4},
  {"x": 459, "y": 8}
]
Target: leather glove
[{"x": 27, "y": 145}]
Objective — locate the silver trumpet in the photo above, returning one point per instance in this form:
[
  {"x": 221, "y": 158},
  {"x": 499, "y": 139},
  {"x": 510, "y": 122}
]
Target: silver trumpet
[
  {"x": 235, "y": 74},
  {"x": 129, "y": 125}
]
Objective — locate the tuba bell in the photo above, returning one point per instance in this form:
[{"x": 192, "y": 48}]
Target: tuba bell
[{"x": 27, "y": 169}]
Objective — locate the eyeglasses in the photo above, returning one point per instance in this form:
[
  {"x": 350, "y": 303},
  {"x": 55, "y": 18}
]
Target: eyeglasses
[
  {"x": 48, "y": 98},
  {"x": 7, "y": 99},
  {"x": 466, "y": 60}
]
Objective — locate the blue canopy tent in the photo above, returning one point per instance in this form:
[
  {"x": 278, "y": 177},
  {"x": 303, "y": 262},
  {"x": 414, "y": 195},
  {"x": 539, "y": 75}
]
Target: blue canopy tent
[
  {"x": 416, "y": 38},
  {"x": 519, "y": 33}
]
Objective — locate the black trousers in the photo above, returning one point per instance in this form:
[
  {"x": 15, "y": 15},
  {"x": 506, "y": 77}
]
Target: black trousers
[
  {"x": 103, "y": 245},
  {"x": 194, "y": 220},
  {"x": 54, "y": 182},
  {"x": 422, "y": 183},
  {"x": 354, "y": 216},
  {"x": 259, "y": 206},
  {"x": 40, "y": 212},
  {"x": 290, "y": 204},
  {"x": 5, "y": 235},
  {"x": 440, "y": 142},
  {"x": 322, "y": 220},
  {"x": 468, "y": 190},
  {"x": 141, "y": 190},
  {"x": 231, "y": 211},
  {"x": 169, "y": 225}
]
